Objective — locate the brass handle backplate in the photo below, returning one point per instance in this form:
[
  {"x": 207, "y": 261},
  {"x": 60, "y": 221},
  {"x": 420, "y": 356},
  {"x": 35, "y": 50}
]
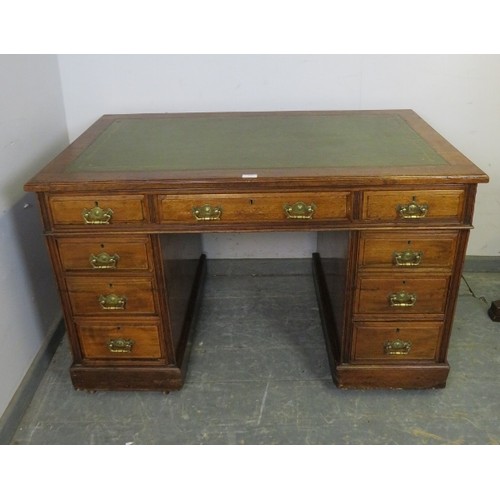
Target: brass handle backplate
[
  {"x": 402, "y": 299},
  {"x": 112, "y": 301},
  {"x": 97, "y": 215},
  {"x": 120, "y": 345},
  {"x": 407, "y": 258},
  {"x": 207, "y": 212},
  {"x": 413, "y": 210},
  {"x": 104, "y": 261},
  {"x": 397, "y": 347},
  {"x": 299, "y": 210}
]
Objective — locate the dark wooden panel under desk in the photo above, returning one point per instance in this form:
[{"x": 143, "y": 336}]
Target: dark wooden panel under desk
[
  {"x": 333, "y": 250},
  {"x": 181, "y": 254}
]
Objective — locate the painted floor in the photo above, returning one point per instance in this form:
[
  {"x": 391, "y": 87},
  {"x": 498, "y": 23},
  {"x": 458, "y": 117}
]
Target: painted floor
[{"x": 259, "y": 374}]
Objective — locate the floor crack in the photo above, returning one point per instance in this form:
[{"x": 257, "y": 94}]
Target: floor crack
[{"x": 263, "y": 403}]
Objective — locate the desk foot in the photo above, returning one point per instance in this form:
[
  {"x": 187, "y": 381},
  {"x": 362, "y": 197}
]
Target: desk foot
[
  {"x": 350, "y": 376},
  {"x": 126, "y": 378}
]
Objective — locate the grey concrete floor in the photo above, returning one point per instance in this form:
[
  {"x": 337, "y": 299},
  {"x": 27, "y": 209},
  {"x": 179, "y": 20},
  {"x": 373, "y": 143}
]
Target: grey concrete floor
[{"x": 259, "y": 374}]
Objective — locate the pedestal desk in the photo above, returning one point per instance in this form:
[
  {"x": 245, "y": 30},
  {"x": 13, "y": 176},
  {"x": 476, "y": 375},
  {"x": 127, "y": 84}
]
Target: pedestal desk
[{"x": 125, "y": 205}]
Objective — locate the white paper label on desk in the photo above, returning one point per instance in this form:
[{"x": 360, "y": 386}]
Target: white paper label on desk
[{"x": 249, "y": 176}]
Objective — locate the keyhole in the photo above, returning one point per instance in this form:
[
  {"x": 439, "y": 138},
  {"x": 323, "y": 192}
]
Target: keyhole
[
  {"x": 111, "y": 285},
  {"x": 102, "y": 245},
  {"x": 250, "y": 201}
]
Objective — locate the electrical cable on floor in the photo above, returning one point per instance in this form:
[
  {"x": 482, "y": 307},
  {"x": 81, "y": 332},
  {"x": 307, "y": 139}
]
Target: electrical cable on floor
[{"x": 482, "y": 299}]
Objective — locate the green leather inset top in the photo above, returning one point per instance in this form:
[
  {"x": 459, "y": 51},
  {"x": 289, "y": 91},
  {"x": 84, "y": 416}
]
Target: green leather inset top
[{"x": 256, "y": 142}]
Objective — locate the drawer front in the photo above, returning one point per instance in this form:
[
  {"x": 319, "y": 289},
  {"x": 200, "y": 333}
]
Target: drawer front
[
  {"x": 113, "y": 296},
  {"x": 407, "y": 251},
  {"x": 270, "y": 207},
  {"x": 396, "y": 342},
  {"x": 119, "y": 341},
  {"x": 105, "y": 254},
  {"x": 379, "y": 295},
  {"x": 97, "y": 211},
  {"x": 411, "y": 206}
]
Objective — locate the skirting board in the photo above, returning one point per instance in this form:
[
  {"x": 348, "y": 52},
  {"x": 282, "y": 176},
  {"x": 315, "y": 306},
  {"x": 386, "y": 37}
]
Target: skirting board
[
  {"x": 13, "y": 414},
  {"x": 477, "y": 264}
]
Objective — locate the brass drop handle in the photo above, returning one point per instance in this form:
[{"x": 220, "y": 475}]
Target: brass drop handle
[
  {"x": 407, "y": 258},
  {"x": 120, "y": 345},
  {"x": 402, "y": 299},
  {"x": 97, "y": 215},
  {"x": 397, "y": 347},
  {"x": 299, "y": 210},
  {"x": 207, "y": 212},
  {"x": 413, "y": 210},
  {"x": 112, "y": 301},
  {"x": 104, "y": 261}
]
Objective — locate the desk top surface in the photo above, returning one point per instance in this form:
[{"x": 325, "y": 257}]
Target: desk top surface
[{"x": 249, "y": 146}]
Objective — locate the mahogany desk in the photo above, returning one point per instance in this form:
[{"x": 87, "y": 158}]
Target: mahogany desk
[{"x": 125, "y": 205}]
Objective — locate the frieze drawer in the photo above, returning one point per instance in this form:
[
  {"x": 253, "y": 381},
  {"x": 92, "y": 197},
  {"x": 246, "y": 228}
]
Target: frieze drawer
[
  {"x": 300, "y": 208},
  {"x": 98, "y": 211},
  {"x": 412, "y": 206}
]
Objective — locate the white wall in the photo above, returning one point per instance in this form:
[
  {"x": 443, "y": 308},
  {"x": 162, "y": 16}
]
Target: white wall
[
  {"x": 32, "y": 131},
  {"x": 457, "y": 95}
]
